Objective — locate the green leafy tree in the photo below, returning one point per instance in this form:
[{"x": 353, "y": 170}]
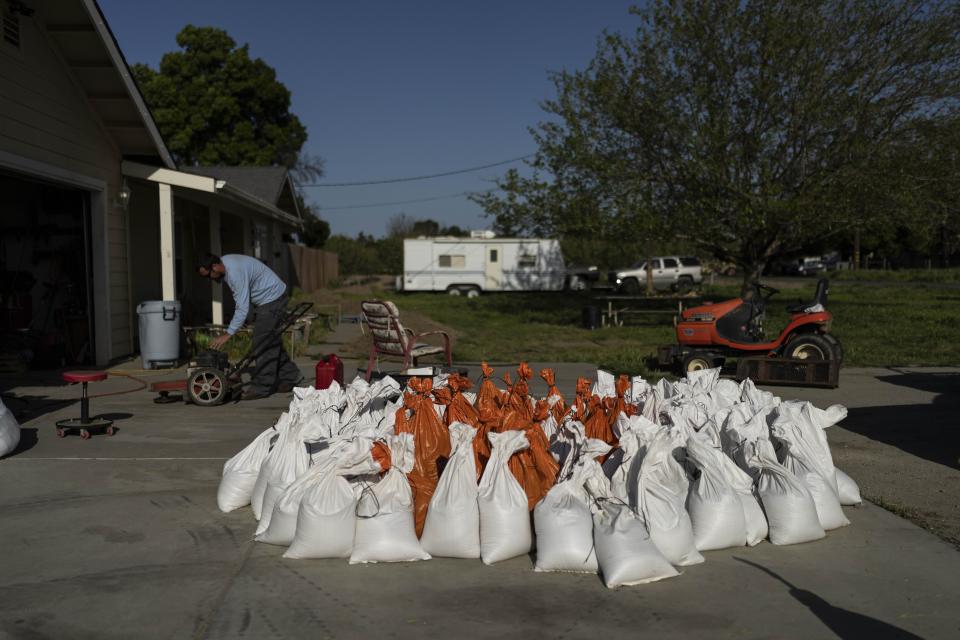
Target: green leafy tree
[
  {"x": 214, "y": 104},
  {"x": 747, "y": 129}
]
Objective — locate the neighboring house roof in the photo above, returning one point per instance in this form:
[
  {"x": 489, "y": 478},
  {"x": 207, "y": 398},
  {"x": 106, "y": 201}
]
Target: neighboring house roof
[
  {"x": 89, "y": 49},
  {"x": 270, "y": 184}
]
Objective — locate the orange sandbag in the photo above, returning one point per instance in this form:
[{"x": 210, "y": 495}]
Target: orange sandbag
[
  {"x": 381, "y": 453},
  {"x": 431, "y": 446},
  {"x": 534, "y": 467},
  {"x": 487, "y": 405},
  {"x": 597, "y": 425},
  {"x": 460, "y": 410},
  {"x": 621, "y": 405},
  {"x": 559, "y": 408}
]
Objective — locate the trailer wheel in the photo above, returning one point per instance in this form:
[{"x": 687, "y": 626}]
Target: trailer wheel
[
  {"x": 453, "y": 291},
  {"x": 810, "y": 346},
  {"x": 473, "y": 292}
]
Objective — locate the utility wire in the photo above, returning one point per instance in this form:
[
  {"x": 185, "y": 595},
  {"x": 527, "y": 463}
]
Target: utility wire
[
  {"x": 413, "y": 178},
  {"x": 328, "y": 209}
]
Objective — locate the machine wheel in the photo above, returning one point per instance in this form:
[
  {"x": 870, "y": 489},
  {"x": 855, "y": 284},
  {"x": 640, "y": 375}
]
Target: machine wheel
[
  {"x": 61, "y": 433},
  {"x": 684, "y": 285},
  {"x": 207, "y": 387},
  {"x": 837, "y": 347},
  {"x": 810, "y": 346},
  {"x": 697, "y": 361},
  {"x": 84, "y": 434},
  {"x": 630, "y": 286}
]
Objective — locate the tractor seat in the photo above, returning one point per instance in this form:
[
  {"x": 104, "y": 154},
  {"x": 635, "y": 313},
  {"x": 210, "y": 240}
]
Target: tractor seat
[
  {"x": 820, "y": 297},
  {"x": 84, "y": 376}
]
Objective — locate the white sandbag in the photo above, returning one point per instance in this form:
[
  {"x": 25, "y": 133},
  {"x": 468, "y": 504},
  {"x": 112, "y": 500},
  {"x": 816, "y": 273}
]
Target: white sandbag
[
  {"x": 290, "y": 461},
  {"x": 240, "y": 473},
  {"x": 564, "y": 528},
  {"x": 385, "y": 528},
  {"x": 788, "y": 505},
  {"x": 827, "y": 502},
  {"x": 504, "y": 517},
  {"x": 804, "y": 452},
  {"x": 9, "y": 431},
  {"x": 281, "y": 526},
  {"x": 715, "y": 509},
  {"x": 753, "y": 516},
  {"x": 452, "y": 527},
  {"x": 625, "y": 552},
  {"x": 563, "y": 522},
  {"x": 849, "y": 492},
  {"x": 663, "y": 490},
  {"x": 260, "y": 486},
  {"x": 326, "y": 520}
]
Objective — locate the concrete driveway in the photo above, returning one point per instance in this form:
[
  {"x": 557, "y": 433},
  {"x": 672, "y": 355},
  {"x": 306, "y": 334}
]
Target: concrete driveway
[{"x": 121, "y": 538}]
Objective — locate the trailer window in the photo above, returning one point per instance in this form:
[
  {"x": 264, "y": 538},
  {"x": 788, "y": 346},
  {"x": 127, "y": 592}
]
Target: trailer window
[
  {"x": 527, "y": 262},
  {"x": 452, "y": 262},
  {"x": 493, "y": 255}
]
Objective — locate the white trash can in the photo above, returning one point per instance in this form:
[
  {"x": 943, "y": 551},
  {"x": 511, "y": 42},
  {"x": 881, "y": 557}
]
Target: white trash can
[{"x": 159, "y": 333}]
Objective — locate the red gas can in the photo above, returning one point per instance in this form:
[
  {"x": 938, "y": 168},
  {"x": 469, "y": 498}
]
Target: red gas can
[{"x": 329, "y": 368}]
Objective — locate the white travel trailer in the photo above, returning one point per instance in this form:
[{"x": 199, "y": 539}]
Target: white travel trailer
[{"x": 467, "y": 266}]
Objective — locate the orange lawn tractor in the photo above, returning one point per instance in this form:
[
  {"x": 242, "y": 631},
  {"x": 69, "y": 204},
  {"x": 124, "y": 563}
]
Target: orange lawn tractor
[{"x": 709, "y": 334}]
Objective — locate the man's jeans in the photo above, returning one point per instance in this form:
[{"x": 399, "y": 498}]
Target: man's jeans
[{"x": 274, "y": 366}]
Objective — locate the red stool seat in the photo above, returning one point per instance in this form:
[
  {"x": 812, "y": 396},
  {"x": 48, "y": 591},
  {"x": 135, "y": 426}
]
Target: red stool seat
[{"x": 84, "y": 376}]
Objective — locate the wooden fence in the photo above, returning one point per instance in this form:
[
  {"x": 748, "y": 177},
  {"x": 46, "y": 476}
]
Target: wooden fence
[{"x": 312, "y": 269}]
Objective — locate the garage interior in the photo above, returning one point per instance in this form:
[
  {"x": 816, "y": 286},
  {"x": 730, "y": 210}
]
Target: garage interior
[{"x": 46, "y": 275}]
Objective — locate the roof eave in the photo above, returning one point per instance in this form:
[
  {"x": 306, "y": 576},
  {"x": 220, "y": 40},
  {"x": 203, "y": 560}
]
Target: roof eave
[{"x": 113, "y": 49}]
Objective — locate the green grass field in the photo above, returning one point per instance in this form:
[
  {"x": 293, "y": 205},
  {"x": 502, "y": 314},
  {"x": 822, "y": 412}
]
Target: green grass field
[{"x": 878, "y": 326}]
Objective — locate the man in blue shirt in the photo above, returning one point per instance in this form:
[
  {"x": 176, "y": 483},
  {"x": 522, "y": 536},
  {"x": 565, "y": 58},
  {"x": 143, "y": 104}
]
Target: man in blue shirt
[{"x": 253, "y": 283}]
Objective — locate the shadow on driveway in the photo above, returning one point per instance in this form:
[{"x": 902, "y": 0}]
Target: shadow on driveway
[
  {"x": 843, "y": 622},
  {"x": 929, "y": 431}
]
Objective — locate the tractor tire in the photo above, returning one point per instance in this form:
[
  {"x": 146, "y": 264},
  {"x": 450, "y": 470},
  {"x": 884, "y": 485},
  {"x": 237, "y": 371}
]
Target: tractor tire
[
  {"x": 697, "y": 361},
  {"x": 630, "y": 286},
  {"x": 837, "y": 347},
  {"x": 810, "y": 346}
]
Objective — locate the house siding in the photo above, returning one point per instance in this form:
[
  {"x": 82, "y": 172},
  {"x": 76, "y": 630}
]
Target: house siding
[{"x": 45, "y": 117}]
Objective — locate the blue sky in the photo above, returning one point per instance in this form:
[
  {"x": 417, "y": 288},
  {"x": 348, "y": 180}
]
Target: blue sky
[{"x": 396, "y": 89}]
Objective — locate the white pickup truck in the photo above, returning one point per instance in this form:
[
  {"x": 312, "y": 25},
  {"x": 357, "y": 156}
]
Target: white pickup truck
[{"x": 674, "y": 273}]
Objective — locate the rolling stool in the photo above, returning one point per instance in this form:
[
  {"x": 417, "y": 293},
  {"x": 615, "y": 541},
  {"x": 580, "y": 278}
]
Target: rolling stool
[{"x": 84, "y": 423}]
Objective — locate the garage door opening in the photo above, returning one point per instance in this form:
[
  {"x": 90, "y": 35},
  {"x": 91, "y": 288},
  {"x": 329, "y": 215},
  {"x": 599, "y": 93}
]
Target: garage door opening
[{"x": 46, "y": 313}]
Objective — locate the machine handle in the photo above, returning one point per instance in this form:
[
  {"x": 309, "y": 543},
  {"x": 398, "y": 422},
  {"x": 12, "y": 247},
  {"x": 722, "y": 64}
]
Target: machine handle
[{"x": 173, "y": 313}]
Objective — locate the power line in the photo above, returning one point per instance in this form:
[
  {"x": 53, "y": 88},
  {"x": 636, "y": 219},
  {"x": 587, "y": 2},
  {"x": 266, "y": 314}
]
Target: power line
[
  {"x": 389, "y": 204},
  {"x": 413, "y": 178}
]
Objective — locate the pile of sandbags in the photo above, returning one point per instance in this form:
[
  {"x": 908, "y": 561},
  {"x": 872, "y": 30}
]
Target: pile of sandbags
[
  {"x": 628, "y": 479},
  {"x": 9, "y": 431}
]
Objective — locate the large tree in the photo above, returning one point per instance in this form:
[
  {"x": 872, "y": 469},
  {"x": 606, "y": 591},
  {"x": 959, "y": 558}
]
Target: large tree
[
  {"x": 214, "y": 104},
  {"x": 748, "y": 128}
]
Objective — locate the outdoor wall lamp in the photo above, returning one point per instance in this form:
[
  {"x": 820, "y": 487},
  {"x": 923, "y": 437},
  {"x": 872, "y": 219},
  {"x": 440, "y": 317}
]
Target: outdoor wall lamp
[{"x": 123, "y": 196}]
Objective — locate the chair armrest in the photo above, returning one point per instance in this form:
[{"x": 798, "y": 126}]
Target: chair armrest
[{"x": 444, "y": 334}]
